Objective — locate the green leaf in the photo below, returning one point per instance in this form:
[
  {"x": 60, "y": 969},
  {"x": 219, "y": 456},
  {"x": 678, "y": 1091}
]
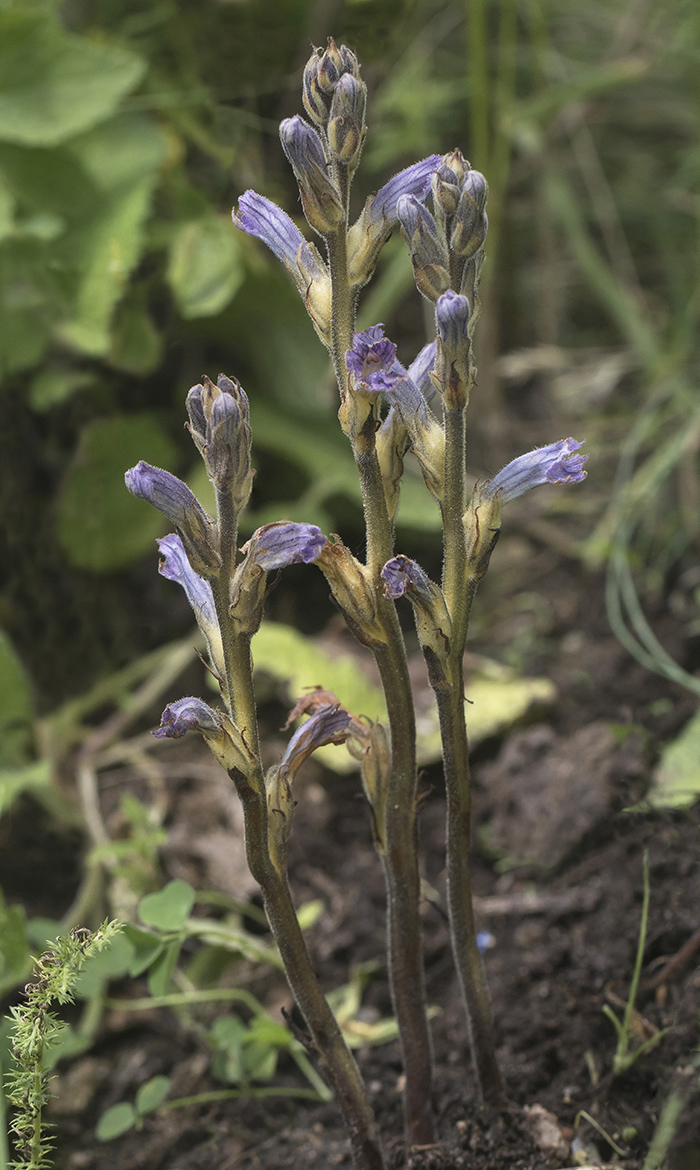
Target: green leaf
[
  {"x": 115, "y": 1122},
  {"x": 152, "y": 1094},
  {"x": 16, "y": 706},
  {"x": 100, "y": 525},
  {"x": 121, "y": 152},
  {"x": 34, "y": 778},
  {"x": 205, "y": 268},
  {"x": 112, "y": 252},
  {"x": 51, "y": 387},
  {"x": 147, "y": 948},
  {"x": 676, "y": 779},
  {"x": 161, "y": 970},
  {"x": 170, "y": 908},
  {"x": 54, "y": 84}
]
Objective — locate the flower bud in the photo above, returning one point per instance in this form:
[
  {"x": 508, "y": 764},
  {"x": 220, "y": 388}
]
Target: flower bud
[
  {"x": 219, "y": 425},
  {"x": 320, "y": 197},
  {"x": 368, "y": 235},
  {"x": 427, "y": 247},
  {"x": 346, "y": 124},
  {"x": 370, "y": 745},
  {"x": 470, "y": 220},
  {"x": 174, "y": 499},
  {"x": 452, "y": 315},
  {"x": 425, "y": 432},
  {"x": 403, "y": 576}
]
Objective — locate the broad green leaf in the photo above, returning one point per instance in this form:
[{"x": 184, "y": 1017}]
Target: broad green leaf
[
  {"x": 100, "y": 525},
  {"x": 115, "y": 1122},
  {"x": 152, "y": 1094},
  {"x": 14, "y": 949},
  {"x": 51, "y": 387},
  {"x": 121, "y": 152},
  {"x": 170, "y": 908},
  {"x": 147, "y": 948},
  {"x": 16, "y": 706},
  {"x": 112, "y": 253},
  {"x": 53, "y": 84},
  {"x": 676, "y": 779},
  {"x": 205, "y": 268},
  {"x": 161, "y": 971},
  {"x": 33, "y": 778}
]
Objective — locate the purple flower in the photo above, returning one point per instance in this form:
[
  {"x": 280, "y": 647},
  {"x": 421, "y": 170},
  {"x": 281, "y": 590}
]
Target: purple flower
[
  {"x": 330, "y": 724},
  {"x": 452, "y": 314},
  {"x": 164, "y": 491},
  {"x": 420, "y": 369},
  {"x": 175, "y": 565},
  {"x": 372, "y": 359},
  {"x": 260, "y": 217},
  {"x": 174, "y": 499},
  {"x": 557, "y": 463},
  {"x": 186, "y": 715},
  {"x": 415, "y": 180},
  {"x": 302, "y": 145},
  {"x": 401, "y": 575},
  {"x": 320, "y": 196},
  {"x": 284, "y": 543}
]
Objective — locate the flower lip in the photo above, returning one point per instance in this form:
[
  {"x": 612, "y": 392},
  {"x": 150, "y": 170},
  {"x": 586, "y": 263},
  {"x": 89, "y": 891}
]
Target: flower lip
[
  {"x": 284, "y": 542},
  {"x": 414, "y": 180},
  {"x": 185, "y": 715},
  {"x": 557, "y": 463},
  {"x": 175, "y": 566},
  {"x": 372, "y": 359},
  {"x": 401, "y": 574}
]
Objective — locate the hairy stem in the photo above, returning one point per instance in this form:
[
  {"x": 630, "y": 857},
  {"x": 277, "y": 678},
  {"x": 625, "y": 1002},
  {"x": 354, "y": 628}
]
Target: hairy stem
[
  {"x": 400, "y": 857},
  {"x": 459, "y": 593},
  {"x": 470, "y": 969},
  {"x": 328, "y": 1041}
]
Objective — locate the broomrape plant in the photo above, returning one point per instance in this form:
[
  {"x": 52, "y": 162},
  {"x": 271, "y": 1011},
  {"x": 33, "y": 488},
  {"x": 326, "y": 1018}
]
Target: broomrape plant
[{"x": 385, "y": 412}]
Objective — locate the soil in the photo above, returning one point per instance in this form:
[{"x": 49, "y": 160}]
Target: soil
[{"x": 558, "y": 878}]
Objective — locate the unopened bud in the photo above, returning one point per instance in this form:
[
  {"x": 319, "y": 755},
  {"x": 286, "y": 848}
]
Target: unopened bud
[
  {"x": 452, "y": 314},
  {"x": 174, "y": 499},
  {"x": 346, "y": 124},
  {"x": 470, "y": 219},
  {"x": 403, "y": 576},
  {"x": 321, "y": 75},
  {"x": 219, "y": 425},
  {"x": 320, "y": 197},
  {"x": 427, "y": 246}
]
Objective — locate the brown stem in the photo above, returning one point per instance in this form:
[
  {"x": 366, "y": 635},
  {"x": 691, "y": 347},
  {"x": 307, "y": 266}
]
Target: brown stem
[{"x": 470, "y": 971}]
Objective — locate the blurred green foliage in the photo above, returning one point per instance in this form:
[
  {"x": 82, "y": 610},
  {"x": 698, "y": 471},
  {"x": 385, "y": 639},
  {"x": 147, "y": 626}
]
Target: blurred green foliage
[{"x": 127, "y": 131}]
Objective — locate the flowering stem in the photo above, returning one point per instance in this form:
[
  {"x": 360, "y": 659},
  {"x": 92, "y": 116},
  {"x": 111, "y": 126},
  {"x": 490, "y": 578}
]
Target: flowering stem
[
  {"x": 400, "y": 859},
  {"x": 340, "y": 1066},
  {"x": 459, "y": 593}
]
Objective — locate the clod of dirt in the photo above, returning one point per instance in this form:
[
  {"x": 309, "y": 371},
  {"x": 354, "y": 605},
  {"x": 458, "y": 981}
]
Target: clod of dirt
[
  {"x": 549, "y": 791},
  {"x": 546, "y": 1132}
]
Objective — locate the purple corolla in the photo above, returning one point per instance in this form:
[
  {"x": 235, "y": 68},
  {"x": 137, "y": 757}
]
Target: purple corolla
[{"x": 556, "y": 463}]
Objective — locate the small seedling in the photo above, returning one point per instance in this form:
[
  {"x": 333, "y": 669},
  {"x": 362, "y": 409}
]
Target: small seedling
[
  {"x": 37, "y": 1031},
  {"x": 625, "y": 1056}
]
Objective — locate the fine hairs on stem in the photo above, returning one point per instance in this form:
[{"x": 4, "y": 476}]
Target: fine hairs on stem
[
  {"x": 384, "y": 411},
  {"x": 36, "y": 1029}
]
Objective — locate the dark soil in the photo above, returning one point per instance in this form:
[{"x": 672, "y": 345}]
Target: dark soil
[{"x": 558, "y": 877}]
